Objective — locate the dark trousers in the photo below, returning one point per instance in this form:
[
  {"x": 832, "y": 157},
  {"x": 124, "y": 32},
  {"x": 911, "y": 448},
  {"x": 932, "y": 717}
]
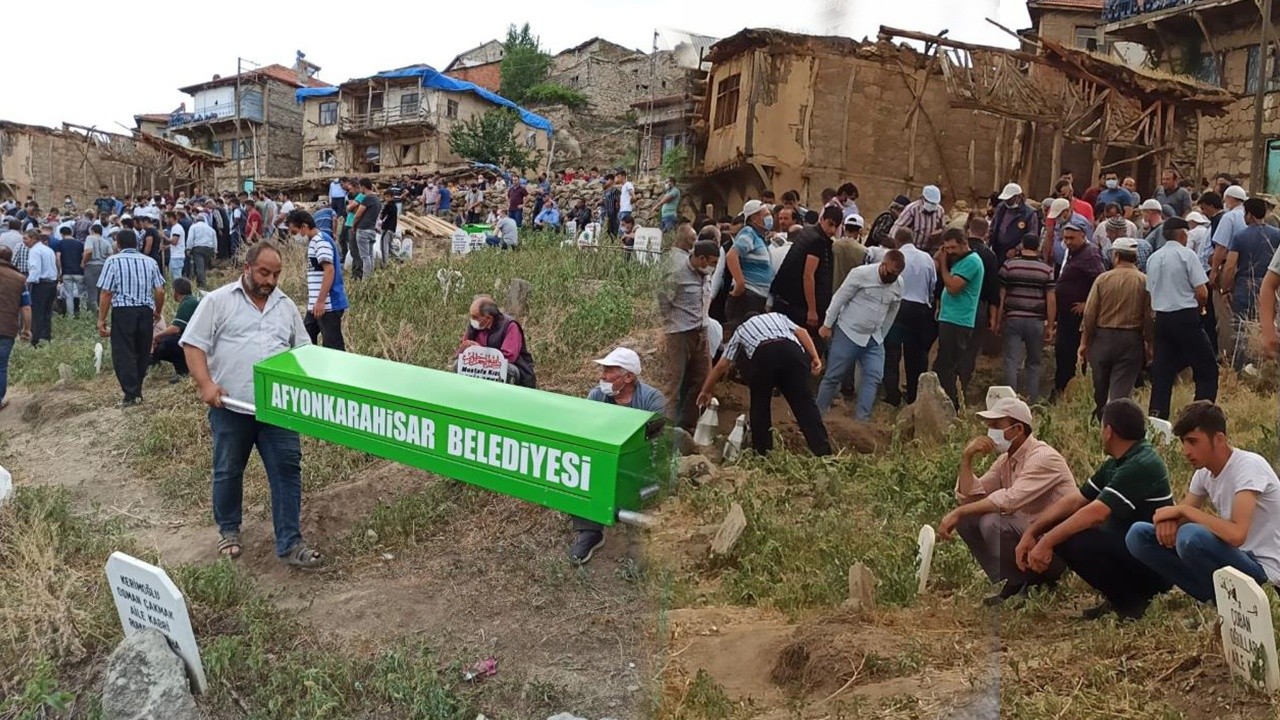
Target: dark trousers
[
  {"x": 131, "y": 347},
  {"x": 1116, "y": 357},
  {"x": 234, "y": 437},
  {"x": 348, "y": 246},
  {"x": 1180, "y": 341},
  {"x": 1101, "y": 558},
  {"x": 1066, "y": 349},
  {"x": 329, "y": 326},
  {"x": 168, "y": 350},
  {"x": 43, "y": 294},
  {"x": 1209, "y": 321},
  {"x": 910, "y": 340},
  {"x": 689, "y": 363},
  {"x": 992, "y": 539},
  {"x": 782, "y": 364},
  {"x": 952, "y": 359},
  {"x": 201, "y": 262}
]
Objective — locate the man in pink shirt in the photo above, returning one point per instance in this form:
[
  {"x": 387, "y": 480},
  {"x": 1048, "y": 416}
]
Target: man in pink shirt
[
  {"x": 996, "y": 508},
  {"x": 490, "y": 327}
]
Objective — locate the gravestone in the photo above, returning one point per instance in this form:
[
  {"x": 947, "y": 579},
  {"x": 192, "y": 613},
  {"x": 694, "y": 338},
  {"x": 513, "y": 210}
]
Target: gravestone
[
  {"x": 730, "y": 531},
  {"x": 6, "y": 486},
  {"x": 518, "y": 298},
  {"x": 1160, "y": 430},
  {"x": 146, "y": 598},
  {"x": 1248, "y": 636},
  {"x": 483, "y": 363},
  {"x": 862, "y": 589},
  {"x": 648, "y": 245},
  {"x": 460, "y": 243},
  {"x": 930, "y": 417},
  {"x": 926, "y": 542}
]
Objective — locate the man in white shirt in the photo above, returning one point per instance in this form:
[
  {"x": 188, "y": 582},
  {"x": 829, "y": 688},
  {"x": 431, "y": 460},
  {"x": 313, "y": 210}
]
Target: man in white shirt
[
  {"x": 860, "y": 315},
  {"x": 177, "y": 245},
  {"x": 1185, "y": 544},
  {"x": 42, "y": 282},
  {"x": 627, "y": 198},
  {"x": 202, "y": 243}
]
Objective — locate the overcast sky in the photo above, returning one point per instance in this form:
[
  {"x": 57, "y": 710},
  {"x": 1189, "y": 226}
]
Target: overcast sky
[{"x": 103, "y": 67}]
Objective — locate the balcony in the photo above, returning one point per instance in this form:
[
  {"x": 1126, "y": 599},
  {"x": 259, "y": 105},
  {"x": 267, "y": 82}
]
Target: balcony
[
  {"x": 1119, "y": 10},
  {"x": 405, "y": 116},
  {"x": 250, "y": 110}
]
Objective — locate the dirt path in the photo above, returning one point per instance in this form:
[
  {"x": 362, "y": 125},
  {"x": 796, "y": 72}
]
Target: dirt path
[{"x": 493, "y": 583}]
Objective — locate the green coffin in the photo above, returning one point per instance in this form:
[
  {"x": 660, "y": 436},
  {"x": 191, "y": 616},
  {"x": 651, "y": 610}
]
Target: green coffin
[{"x": 584, "y": 458}]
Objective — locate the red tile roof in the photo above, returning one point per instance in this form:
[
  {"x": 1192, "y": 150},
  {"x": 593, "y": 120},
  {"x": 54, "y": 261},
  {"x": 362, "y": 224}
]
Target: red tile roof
[
  {"x": 274, "y": 71},
  {"x": 152, "y": 117}
]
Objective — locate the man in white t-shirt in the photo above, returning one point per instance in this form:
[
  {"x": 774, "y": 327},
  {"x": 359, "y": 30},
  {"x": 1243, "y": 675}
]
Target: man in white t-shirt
[
  {"x": 177, "y": 245},
  {"x": 1185, "y": 544},
  {"x": 626, "y": 200}
]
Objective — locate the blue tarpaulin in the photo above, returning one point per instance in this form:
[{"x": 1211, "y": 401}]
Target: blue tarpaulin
[{"x": 439, "y": 81}]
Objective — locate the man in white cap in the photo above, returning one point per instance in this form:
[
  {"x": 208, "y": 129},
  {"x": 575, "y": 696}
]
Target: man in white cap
[
  {"x": 619, "y": 385},
  {"x": 1116, "y": 330},
  {"x": 848, "y": 251},
  {"x": 1012, "y": 221},
  {"x": 1231, "y": 224},
  {"x": 995, "y": 509},
  {"x": 1199, "y": 237},
  {"x": 925, "y": 218},
  {"x": 1153, "y": 217},
  {"x": 750, "y": 265},
  {"x": 1057, "y": 217}
]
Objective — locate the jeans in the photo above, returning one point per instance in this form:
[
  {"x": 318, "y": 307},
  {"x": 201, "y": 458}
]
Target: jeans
[
  {"x": 843, "y": 355},
  {"x": 365, "y": 240},
  {"x": 1023, "y": 341},
  {"x": 234, "y": 436},
  {"x": 1192, "y": 560},
  {"x": 6, "y": 348},
  {"x": 201, "y": 262},
  {"x": 92, "y": 271},
  {"x": 131, "y": 347},
  {"x": 1180, "y": 341},
  {"x": 517, "y": 215},
  {"x": 329, "y": 326},
  {"x": 175, "y": 267},
  {"x": 385, "y": 247},
  {"x": 668, "y": 224},
  {"x": 913, "y": 334},
  {"x": 73, "y": 292},
  {"x": 949, "y": 363}
]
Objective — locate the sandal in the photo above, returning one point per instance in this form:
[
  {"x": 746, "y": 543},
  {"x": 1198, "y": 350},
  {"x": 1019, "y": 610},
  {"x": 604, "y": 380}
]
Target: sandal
[
  {"x": 229, "y": 545},
  {"x": 303, "y": 557}
]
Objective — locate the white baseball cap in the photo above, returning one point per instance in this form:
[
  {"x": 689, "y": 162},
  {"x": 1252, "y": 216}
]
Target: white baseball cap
[
  {"x": 1124, "y": 244},
  {"x": 932, "y": 194},
  {"x": 1008, "y": 407},
  {"x": 1197, "y": 217},
  {"x": 1236, "y": 192},
  {"x": 1011, "y": 190},
  {"x": 1058, "y": 206},
  {"x": 855, "y": 220},
  {"x": 624, "y": 358},
  {"x": 1151, "y": 204},
  {"x": 752, "y": 207}
]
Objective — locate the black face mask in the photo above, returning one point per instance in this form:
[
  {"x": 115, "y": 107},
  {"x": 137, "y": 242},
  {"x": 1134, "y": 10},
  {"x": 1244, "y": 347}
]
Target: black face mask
[{"x": 889, "y": 279}]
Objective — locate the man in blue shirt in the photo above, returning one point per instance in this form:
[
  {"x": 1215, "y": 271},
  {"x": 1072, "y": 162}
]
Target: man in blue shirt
[
  {"x": 1113, "y": 193},
  {"x": 750, "y": 265},
  {"x": 619, "y": 385},
  {"x": 132, "y": 289},
  {"x": 1248, "y": 256}
]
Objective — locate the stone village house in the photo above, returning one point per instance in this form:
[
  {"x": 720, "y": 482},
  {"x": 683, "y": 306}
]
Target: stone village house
[{"x": 786, "y": 111}]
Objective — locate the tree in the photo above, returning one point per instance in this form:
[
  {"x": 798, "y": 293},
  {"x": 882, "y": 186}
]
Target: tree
[
  {"x": 492, "y": 138},
  {"x": 524, "y": 64}
]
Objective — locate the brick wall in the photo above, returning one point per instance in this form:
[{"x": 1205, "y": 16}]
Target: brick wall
[{"x": 487, "y": 76}]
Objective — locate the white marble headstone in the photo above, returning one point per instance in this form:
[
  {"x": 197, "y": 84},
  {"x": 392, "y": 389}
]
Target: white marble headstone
[
  {"x": 146, "y": 598},
  {"x": 6, "y": 486},
  {"x": 1248, "y": 636},
  {"x": 926, "y": 542}
]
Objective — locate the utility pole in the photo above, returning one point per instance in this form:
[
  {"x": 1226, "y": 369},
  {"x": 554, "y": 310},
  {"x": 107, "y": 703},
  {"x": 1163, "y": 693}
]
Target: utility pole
[
  {"x": 240, "y": 168},
  {"x": 1257, "y": 181}
]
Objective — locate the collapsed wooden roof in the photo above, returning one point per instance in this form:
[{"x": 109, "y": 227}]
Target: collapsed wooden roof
[{"x": 798, "y": 44}]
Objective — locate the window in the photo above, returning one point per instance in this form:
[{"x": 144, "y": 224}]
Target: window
[
  {"x": 409, "y": 104},
  {"x": 215, "y": 147},
  {"x": 451, "y": 110},
  {"x": 727, "y": 101},
  {"x": 329, "y": 113},
  {"x": 242, "y": 150},
  {"x": 1086, "y": 37},
  {"x": 328, "y": 159},
  {"x": 1251, "y": 71},
  {"x": 375, "y": 100},
  {"x": 1209, "y": 68}
]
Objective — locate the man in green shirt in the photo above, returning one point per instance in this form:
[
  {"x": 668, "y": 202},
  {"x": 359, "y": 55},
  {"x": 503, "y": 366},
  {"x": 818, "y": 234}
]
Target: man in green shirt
[
  {"x": 1086, "y": 529},
  {"x": 164, "y": 346},
  {"x": 960, "y": 273},
  {"x": 670, "y": 206}
]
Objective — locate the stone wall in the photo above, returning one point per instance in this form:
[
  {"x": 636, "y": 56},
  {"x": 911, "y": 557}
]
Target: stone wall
[
  {"x": 811, "y": 121},
  {"x": 613, "y": 85},
  {"x": 283, "y": 151},
  {"x": 51, "y": 164},
  {"x": 318, "y": 139}
]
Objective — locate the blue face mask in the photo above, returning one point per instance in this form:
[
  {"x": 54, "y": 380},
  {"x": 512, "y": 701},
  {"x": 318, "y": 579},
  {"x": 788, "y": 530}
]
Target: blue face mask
[{"x": 768, "y": 222}]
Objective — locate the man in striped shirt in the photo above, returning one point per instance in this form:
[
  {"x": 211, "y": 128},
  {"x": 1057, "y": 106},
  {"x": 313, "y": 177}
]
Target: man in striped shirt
[
  {"x": 771, "y": 350},
  {"x": 133, "y": 288},
  {"x": 326, "y": 295},
  {"x": 925, "y": 218},
  {"x": 1027, "y": 314}
]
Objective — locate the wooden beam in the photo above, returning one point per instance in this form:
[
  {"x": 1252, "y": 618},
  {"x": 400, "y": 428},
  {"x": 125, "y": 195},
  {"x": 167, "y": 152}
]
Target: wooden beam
[
  {"x": 1056, "y": 159},
  {"x": 946, "y": 42},
  {"x": 1134, "y": 160},
  {"x": 1208, "y": 39}
]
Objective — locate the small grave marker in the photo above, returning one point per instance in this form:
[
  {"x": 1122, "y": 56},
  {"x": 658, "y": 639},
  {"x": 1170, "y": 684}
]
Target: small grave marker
[
  {"x": 926, "y": 542},
  {"x": 1248, "y": 636},
  {"x": 484, "y": 363},
  {"x": 146, "y": 598}
]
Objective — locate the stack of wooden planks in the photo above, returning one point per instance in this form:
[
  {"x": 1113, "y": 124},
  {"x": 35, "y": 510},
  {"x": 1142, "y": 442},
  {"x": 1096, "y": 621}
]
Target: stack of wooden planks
[{"x": 427, "y": 225}]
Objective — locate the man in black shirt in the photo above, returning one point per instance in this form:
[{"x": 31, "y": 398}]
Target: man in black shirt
[
  {"x": 984, "y": 331},
  {"x": 802, "y": 286},
  {"x": 390, "y": 215}
]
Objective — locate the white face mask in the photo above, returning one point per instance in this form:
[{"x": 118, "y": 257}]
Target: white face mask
[
  {"x": 997, "y": 437},
  {"x": 606, "y": 387},
  {"x": 475, "y": 324}
]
